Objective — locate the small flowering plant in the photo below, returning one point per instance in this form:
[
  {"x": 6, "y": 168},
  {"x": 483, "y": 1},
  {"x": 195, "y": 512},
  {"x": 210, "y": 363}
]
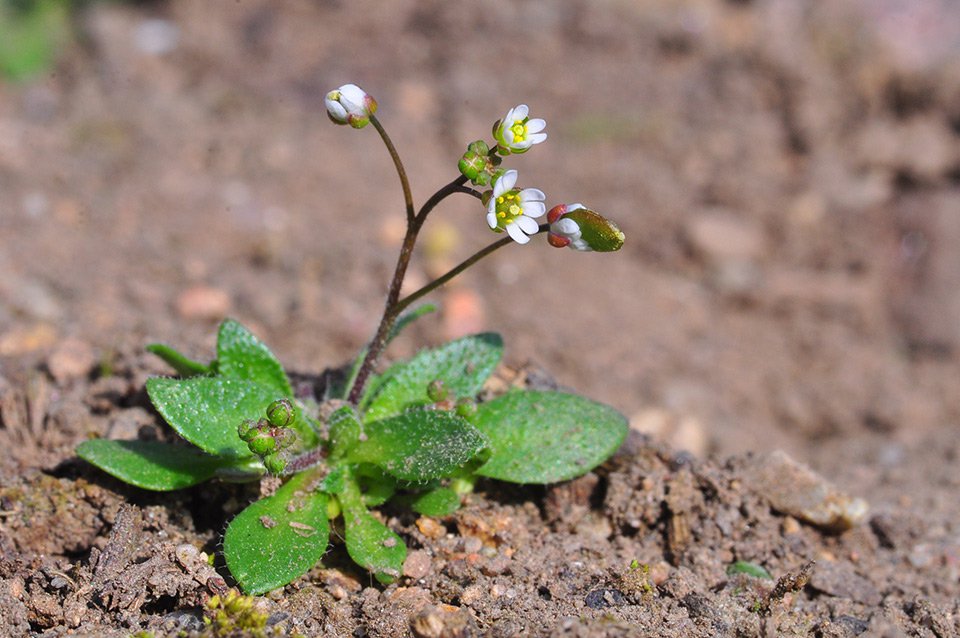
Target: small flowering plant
[{"x": 419, "y": 432}]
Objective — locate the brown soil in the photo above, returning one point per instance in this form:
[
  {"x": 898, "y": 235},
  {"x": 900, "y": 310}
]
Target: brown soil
[{"x": 787, "y": 173}]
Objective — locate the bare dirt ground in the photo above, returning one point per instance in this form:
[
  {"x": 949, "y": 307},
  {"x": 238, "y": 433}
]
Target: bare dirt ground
[{"x": 787, "y": 173}]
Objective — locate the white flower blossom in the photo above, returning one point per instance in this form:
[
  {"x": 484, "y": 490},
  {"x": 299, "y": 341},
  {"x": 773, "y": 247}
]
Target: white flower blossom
[
  {"x": 516, "y": 132},
  {"x": 350, "y": 105},
  {"x": 514, "y": 210}
]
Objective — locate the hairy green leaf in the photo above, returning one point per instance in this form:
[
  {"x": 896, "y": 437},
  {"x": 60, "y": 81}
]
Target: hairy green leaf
[
  {"x": 440, "y": 501},
  {"x": 462, "y": 365},
  {"x": 419, "y": 444},
  {"x": 151, "y": 465},
  {"x": 544, "y": 437},
  {"x": 370, "y": 543},
  {"x": 207, "y": 410},
  {"x": 184, "y": 366},
  {"x": 240, "y": 355},
  {"x": 278, "y": 538}
]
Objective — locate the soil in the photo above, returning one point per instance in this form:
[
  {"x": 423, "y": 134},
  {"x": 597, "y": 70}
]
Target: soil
[{"x": 782, "y": 327}]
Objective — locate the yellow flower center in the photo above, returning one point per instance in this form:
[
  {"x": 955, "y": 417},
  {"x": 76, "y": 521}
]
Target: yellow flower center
[
  {"x": 519, "y": 130},
  {"x": 508, "y": 207}
]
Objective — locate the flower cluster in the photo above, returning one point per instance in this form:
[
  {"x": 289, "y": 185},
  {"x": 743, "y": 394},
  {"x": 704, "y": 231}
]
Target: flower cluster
[{"x": 509, "y": 209}]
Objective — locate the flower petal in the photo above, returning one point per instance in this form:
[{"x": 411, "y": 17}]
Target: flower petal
[
  {"x": 516, "y": 233},
  {"x": 536, "y": 138},
  {"x": 534, "y": 209},
  {"x": 520, "y": 112},
  {"x": 536, "y": 125},
  {"x": 566, "y": 227},
  {"x": 532, "y": 195},
  {"x": 492, "y": 219},
  {"x": 526, "y": 224},
  {"x": 507, "y": 181}
]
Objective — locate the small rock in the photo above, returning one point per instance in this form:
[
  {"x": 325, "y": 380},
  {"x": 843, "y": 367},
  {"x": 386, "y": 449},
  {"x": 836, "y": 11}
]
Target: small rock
[
  {"x": 793, "y": 488},
  {"x": 839, "y": 580},
  {"x": 417, "y": 564},
  {"x": 471, "y": 594},
  {"x": 430, "y": 528},
  {"x": 436, "y": 622},
  {"x": 73, "y": 358},
  {"x": 203, "y": 302},
  {"x": 604, "y": 597}
]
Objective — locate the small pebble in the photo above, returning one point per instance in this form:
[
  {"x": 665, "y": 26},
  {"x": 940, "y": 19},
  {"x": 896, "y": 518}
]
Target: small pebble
[
  {"x": 72, "y": 359},
  {"x": 417, "y": 564}
]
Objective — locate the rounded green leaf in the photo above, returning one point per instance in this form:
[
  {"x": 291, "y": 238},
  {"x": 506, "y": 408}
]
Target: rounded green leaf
[
  {"x": 462, "y": 365},
  {"x": 440, "y": 501},
  {"x": 240, "y": 355},
  {"x": 370, "y": 543},
  {"x": 151, "y": 465},
  {"x": 418, "y": 445},
  {"x": 545, "y": 437},
  {"x": 278, "y": 538},
  {"x": 207, "y": 410}
]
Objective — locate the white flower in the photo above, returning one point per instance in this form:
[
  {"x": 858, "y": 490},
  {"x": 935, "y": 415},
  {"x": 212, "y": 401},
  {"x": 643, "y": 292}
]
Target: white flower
[
  {"x": 513, "y": 210},
  {"x": 516, "y": 132},
  {"x": 350, "y": 105}
]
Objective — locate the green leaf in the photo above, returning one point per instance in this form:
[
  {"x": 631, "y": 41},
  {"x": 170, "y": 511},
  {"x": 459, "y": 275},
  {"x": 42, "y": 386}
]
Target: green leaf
[
  {"x": 278, "y": 538},
  {"x": 370, "y": 543},
  {"x": 345, "y": 430},
  {"x": 151, "y": 465},
  {"x": 463, "y": 366},
  {"x": 240, "y": 355},
  {"x": 545, "y": 437},
  {"x": 748, "y": 568},
  {"x": 207, "y": 410},
  {"x": 184, "y": 366},
  {"x": 440, "y": 501},
  {"x": 419, "y": 444}
]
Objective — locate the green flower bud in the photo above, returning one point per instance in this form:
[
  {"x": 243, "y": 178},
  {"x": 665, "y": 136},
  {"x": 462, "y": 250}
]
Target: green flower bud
[
  {"x": 477, "y": 164},
  {"x": 582, "y": 229},
  {"x": 280, "y": 413},
  {"x": 262, "y": 444},
  {"x": 437, "y": 391},
  {"x": 275, "y": 464},
  {"x": 248, "y": 430},
  {"x": 466, "y": 408}
]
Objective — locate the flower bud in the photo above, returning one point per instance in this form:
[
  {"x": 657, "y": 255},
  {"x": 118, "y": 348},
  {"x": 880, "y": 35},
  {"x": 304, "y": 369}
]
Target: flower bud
[
  {"x": 262, "y": 444},
  {"x": 350, "y": 105},
  {"x": 280, "y": 413},
  {"x": 248, "y": 430},
  {"x": 477, "y": 164},
  {"x": 437, "y": 391},
  {"x": 275, "y": 464},
  {"x": 466, "y": 408},
  {"x": 582, "y": 229}
]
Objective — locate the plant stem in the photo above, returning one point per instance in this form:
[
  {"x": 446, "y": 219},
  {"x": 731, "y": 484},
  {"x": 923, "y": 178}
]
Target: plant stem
[
  {"x": 401, "y": 171},
  {"x": 392, "y": 310},
  {"x": 304, "y": 461}
]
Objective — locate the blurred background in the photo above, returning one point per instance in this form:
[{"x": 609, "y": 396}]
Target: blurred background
[{"x": 787, "y": 173}]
